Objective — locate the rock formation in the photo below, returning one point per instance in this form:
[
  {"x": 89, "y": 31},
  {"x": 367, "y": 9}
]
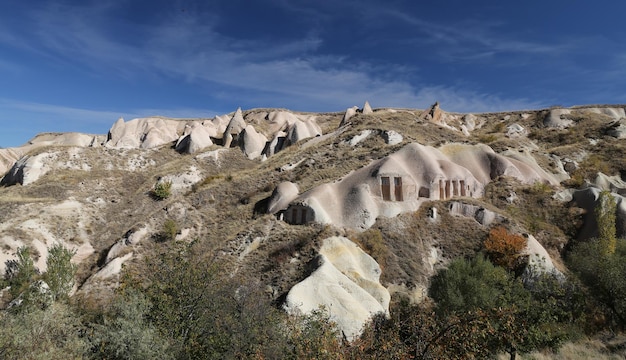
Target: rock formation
[
  {"x": 235, "y": 126},
  {"x": 402, "y": 181},
  {"x": 195, "y": 138},
  {"x": 346, "y": 284}
]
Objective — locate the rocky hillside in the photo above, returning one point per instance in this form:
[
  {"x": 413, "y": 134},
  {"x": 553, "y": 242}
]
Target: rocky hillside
[{"x": 361, "y": 207}]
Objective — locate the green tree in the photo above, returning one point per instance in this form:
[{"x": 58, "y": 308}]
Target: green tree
[
  {"x": 489, "y": 311},
  {"x": 206, "y": 313},
  {"x": 467, "y": 285},
  {"x": 125, "y": 333},
  {"x": 604, "y": 274},
  {"x": 60, "y": 271},
  {"x": 20, "y": 272},
  {"x": 47, "y": 334},
  {"x": 605, "y": 218}
]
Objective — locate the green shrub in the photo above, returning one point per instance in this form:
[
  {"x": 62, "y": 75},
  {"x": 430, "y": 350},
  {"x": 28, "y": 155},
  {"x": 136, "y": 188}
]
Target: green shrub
[
  {"x": 60, "y": 271},
  {"x": 169, "y": 231},
  {"x": 21, "y": 272},
  {"x": 162, "y": 190}
]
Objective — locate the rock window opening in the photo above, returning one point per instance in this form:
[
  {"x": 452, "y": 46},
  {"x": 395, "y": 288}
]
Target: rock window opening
[
  {"x": 398, "y": 188},
  {"x": 385, "y": 187}
]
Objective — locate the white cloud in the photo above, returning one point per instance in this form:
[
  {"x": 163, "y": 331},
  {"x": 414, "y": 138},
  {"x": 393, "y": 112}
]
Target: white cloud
[{"x": 252, "y": 72}]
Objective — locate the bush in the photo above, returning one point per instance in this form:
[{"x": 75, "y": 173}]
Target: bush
[
  {"x": 504, "y": 248},
  {"x": 162, "y": 190},
  {"x": 21, "y": 272},
  {"x": 60, "y": 271},
  {"x": 125, "y": 333},
  {"x": 169, "y": 231}
]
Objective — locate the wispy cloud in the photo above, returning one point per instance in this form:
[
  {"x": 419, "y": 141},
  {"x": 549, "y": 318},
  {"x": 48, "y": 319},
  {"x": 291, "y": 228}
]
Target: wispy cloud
[
  {"x": 472, "y": 40},
  {"x": 258, "y": 72}
]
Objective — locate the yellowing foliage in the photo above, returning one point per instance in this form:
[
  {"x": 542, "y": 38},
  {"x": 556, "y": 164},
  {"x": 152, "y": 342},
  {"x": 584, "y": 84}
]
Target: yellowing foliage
[{"x": 504, "y": 248}]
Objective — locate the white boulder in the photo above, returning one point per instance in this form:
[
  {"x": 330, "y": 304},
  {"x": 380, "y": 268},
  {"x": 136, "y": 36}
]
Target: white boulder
[{"x": 346, "y": 284}]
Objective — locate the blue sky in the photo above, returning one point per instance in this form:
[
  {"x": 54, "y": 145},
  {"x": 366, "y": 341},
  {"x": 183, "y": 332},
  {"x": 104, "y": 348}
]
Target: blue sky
[{"x": 79, "y": 65}]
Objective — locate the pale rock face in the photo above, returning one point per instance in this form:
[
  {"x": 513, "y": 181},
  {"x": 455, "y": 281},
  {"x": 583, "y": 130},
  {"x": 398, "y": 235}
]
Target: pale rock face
[
  {"x": 235, "y": 126},
  {"x": 615, "y": 113},
  {"x": 480, "y": 214},
  {"x": 183, "y": 181},
  {"x": 301, "y": 130},
  {"x": 145, "y": 133},
  {"x": 360, "y": 137},
  {"x": 557, "y": 118},
  {"x": 8, "y": 157},
  {"x": 469, "y": 120},
  {"x": 195, "y": 139},
  {"x": 402, "y": 181},
  {"x": 367, "y": 109},
  {"x": 252, "y": 143},
  {"x": 283, "y": 194},
  {"x": 392, "y": 137},
  {"x": 132, "y": 238},
  {"x": 111, "y": 269},
  {"x": 515, "y": 130},
  {"x": 350, "y": 112},
  {"x": 277, "y": 143},
  {"x": 29, "y": 169},
  {"x": 539, "y": 261},
  {"x": 346, "y": 284}
]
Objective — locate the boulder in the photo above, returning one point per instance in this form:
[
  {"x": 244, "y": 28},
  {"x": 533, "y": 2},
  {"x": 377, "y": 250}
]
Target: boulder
[
  {"x": 539, "y": 261},
  {"x": 392, "y": 137},
  {"x": 515, "y": 130},
  {"x": 345, "y": 283}
]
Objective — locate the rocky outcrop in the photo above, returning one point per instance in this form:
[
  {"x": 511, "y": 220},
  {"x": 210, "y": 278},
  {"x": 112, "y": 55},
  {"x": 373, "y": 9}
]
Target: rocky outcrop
[
  {"x": 29, "y": 169},
  {"x": 587, "y": 199},
  {"x": 283, "y": 194},
  {"x": 252, "y": 143},
  {"x": 195, "y": 138},
  {"x": 350, "y": 112},
  {"x": 145, "y": 133},
  {"x": 402, "y": 181},
  {"x": 345, "y": 283},
  {"x": 480, "y": 214},
  {"x": 235, "y": 126},
  {"x": 367, "y": 109},
  {"x": 561, "y": 118},
  {"x": 539, "y": 261}
]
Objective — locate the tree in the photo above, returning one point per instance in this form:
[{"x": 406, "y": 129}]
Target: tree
[
  {"x": 482, "y": 310},
  {"x": 504, "y": 248},
  {"x": 467, "y": 285},
  {"x": 605, "y": 218},
  {"x": 125, "y": 333},
  {"x": 47, "y": 334},
  {"x": 60, "y": 271},
  {"x": 21, "y": 272}
]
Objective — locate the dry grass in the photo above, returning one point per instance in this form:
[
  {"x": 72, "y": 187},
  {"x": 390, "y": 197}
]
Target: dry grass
[{"x": 581, "y": 350}]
